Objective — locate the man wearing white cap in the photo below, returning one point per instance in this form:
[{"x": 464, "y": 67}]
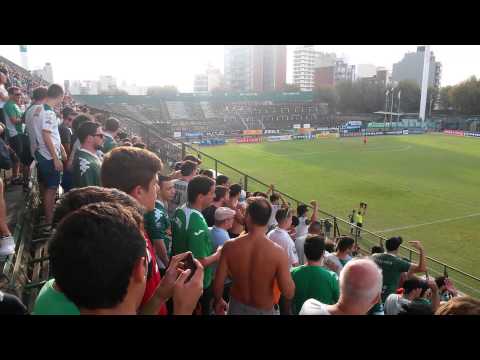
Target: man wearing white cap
[{"x": 219, "y": 234}]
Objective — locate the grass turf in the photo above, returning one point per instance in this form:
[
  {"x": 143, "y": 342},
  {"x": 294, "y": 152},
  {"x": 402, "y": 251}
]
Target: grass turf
[{"x": 422, "y": 187}]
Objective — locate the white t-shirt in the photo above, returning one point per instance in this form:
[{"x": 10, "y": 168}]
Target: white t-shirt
[
  {"x": 273, "y": 221},
  {"x": 299, "y": 243},
  {"x": 282, "y": 238},
  {"x": 4, "y": 93},
  {"x": 302, "y": 227},
  {"x": 33, "y": 125},
  {"x": 314, "y": 307},
  {"x": 50, "y": 122},
  {"x": 393, "y": 304}
]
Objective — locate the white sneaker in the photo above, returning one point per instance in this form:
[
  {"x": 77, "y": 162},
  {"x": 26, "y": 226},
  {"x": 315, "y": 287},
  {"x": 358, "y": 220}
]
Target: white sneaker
[{"x": 7, "y": 245}]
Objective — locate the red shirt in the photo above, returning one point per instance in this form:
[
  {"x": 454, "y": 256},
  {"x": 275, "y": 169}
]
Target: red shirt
[{"x": 153, "y": 276}]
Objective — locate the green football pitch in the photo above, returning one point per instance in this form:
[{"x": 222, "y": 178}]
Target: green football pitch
[{"x": 421, "y": 187}]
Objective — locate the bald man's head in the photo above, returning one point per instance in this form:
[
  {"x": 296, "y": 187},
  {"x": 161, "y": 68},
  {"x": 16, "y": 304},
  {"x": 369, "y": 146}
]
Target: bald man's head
[{"x": 361, "y": 281}]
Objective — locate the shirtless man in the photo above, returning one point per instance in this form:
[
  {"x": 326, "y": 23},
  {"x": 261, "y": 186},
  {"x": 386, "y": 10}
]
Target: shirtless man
[{"x": 254, "y": 263}]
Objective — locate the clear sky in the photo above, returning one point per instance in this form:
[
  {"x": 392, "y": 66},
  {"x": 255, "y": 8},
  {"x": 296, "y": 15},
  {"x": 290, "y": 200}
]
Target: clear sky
[{"x": 149, "y": 65}]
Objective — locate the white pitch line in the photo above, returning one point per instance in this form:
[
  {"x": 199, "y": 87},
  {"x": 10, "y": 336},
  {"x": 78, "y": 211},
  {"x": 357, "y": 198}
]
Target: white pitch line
[{"x": 429, "y": 223}]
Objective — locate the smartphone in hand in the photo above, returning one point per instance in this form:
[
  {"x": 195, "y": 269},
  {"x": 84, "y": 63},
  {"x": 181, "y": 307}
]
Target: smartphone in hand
[{"x": 188, "y": 263}]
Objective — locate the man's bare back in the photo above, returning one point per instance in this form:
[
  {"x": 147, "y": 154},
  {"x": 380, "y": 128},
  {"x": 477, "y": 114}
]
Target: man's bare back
[{"x": 253, "y": 262}]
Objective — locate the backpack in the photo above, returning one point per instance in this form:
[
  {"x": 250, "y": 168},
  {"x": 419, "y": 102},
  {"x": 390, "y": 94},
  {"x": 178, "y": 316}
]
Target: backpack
[{"x": 5, "y": 160}]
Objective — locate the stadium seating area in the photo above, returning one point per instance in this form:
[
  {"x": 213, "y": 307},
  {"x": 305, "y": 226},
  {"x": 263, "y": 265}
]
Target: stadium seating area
[{"x": 93, "y": 227}]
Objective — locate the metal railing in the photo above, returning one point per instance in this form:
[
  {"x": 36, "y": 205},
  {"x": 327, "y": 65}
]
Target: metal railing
[{"x": 171, "y": 150}]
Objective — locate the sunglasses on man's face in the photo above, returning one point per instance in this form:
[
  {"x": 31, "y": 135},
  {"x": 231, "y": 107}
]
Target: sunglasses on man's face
[{"x": 17, "y": 94}]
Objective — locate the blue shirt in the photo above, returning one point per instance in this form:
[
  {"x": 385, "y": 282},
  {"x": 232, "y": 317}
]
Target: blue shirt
[{"x": 219, "y": 236}]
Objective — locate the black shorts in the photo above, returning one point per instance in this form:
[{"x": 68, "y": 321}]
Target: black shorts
[
  {"x": 16, "y": 145},
  {"x": 359, "y": 224},
  {"x": 26, "y": 156}
]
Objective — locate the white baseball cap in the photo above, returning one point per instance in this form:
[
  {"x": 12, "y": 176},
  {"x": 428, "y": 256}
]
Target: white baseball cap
[{"x": 224, "y": 213}]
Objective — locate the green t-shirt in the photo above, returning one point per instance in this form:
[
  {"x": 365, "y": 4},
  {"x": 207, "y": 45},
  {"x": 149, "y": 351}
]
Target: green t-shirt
[
  {"x": 157, "y": 223},
  {"x": 12, "y": 110},
  {"x": 109, "y": 144},
  {"x": 392, "y": 267},
  {"x": 314, "y": 282},
  {"x": 86, "y": 169},
  {"x": 190, "y": 233},
  {"x": 52, "y": 302}
]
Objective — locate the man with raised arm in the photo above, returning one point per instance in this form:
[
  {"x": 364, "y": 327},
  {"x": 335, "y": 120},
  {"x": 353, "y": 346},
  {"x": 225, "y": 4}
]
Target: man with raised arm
[{"x": 254, "y": 263}]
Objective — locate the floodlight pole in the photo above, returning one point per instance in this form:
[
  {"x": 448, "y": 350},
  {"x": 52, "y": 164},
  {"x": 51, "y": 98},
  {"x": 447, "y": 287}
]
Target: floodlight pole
[
  {"x": 425, "y": 76},
  {"x": 391, "y": 108}
]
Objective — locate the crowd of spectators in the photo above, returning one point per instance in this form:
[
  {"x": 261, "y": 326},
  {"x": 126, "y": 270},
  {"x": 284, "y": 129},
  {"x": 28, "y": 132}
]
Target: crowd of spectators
[{"x": 129, "y": 236}]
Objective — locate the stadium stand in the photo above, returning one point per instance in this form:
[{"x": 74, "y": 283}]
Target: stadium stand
[{"x": 28, "y": 271}]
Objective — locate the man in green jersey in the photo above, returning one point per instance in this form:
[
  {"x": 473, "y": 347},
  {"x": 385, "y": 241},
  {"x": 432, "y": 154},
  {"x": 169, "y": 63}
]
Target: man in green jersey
[
  {"x": 13, "y": 121},
  {"x": 112, "y": 126},
  {"x": 191, "y": 233},
  {"x": 312, "y": 280},
  {"x": 393, "y": 266},
  {"x": 158, "y": 224},
  {"x": 86, "y": 164}
]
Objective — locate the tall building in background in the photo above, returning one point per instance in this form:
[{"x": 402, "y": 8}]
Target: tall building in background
[
  {"x": 107, "y": 83},
  {"x": 305, "y": 60},
  {"x": 211, "y": 80},
  {"x": 411, "y": 68},
  {"x": 24, "y": 56},
  {"x": 366, "y": 71},
  {"x": 329, "y": 70},
  {"x": 303, "y": 67},
  {"x": 255, "y": 67},
  {"x": 46, "y": 73},
  {"x": 200, "y": 83}
]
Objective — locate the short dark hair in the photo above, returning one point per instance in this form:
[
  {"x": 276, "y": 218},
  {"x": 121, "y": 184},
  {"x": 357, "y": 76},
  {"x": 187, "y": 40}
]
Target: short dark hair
[
  {"x": 393, "y": 243},
  {"x": 259, "y": 209},
  {"x": 274, "y": 197},
  {"x": 440, "y": 280},
  {"x": 55, "y": 91},
  {"x": 39, "y": 93},
  {"x": 295, "y": 221},
  {"x": 79, "y": 120},
  {"x": 416, "y": 308},
  {"x": 235, "y": 190},
  {"x": 112, "y": 124},
  {"x": 82, "y": 262},
  {"x": 259, "y": 193},
  {"x": 76, "y": 198},
  {"x": 315, "y": 226},
  {"x": 344, "y": 243},
  {"x": 162, "y": 179},
  {"x": 67, "y": 111},
  {"x": 414, "y": 283},
  {"x": 88, "y": 128},
  {"x": 188, "y": 167},
  {"x": 11, "y": 90},
  {"x": 193, "y": 158},
  {"x": 222, "y": 179},
  {"x": 302, "y": 210},
  {"x": 377, "y": 250},
  {"x": 200, "y": 185},
  {"x": 208, "y": 173},
  {"x": 329, "y": 246},
  {"x": 125, "y": 168},
  {"x": 283, "y": 214},
  {"x": 314, "y": 247},
  {"x": 220, "y": 192}
]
